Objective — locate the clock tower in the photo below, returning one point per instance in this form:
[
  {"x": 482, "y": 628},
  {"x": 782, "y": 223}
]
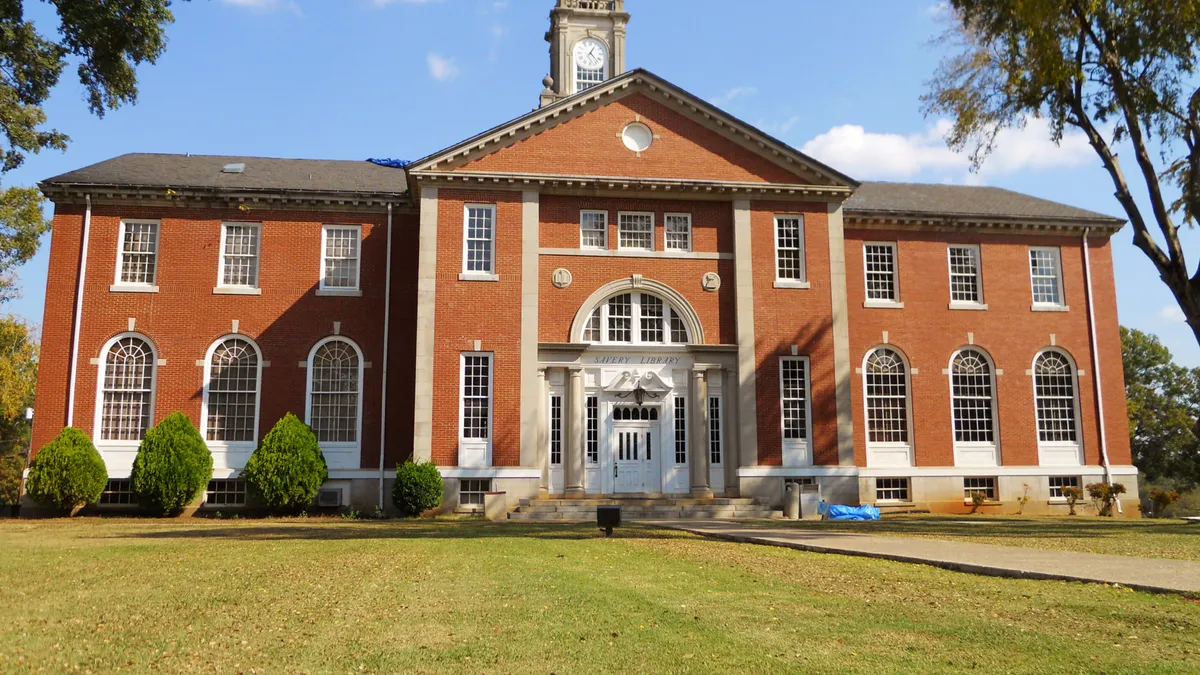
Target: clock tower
[{"x": 587, "y": 45}]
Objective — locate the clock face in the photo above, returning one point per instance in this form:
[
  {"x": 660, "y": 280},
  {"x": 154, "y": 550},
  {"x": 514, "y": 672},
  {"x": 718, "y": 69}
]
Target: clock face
[{"x": 590, "y": 54}]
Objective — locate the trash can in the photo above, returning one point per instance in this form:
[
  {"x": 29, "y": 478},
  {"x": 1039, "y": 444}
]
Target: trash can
[
  {"x": 810, "y": 502},
  {"x": 791, "y": 501}
]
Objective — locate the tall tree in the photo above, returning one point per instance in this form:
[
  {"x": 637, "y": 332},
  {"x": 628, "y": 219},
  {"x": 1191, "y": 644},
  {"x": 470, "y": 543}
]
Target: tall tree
[
  {"x": 1164, "y": 401},
  {"x": 107, "y": 40},
  {"x": 1118, "y": 71},
  {"x": 18, "y": 377}
]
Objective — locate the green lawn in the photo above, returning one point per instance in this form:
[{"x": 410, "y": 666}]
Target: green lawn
[
  {"x": 1147, "y": 538},
  {"x": 473, "y": 597}
]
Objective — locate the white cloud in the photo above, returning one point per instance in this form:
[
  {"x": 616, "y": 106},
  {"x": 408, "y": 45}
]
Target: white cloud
[
  {"x": 440, "y": 67},
  {"x": 938, "y": 9},
  {"x": 1172, "y": 314},
  {"x": 871, "y": 155},
  {"x": 733, "y": 94},
  {"x": 265, "y": 5},
  {"x": 385, "y": 3}
]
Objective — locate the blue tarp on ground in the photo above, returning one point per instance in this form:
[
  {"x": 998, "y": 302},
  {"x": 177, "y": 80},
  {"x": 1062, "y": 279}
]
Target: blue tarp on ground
[{"x": 840, "y": 512}]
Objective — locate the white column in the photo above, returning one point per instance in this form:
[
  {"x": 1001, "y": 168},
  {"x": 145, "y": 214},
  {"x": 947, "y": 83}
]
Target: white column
[
  {"x": 698, "y": 440},
  {"x": 576, "y": 428},
  {"x": 543, "y": 435}
]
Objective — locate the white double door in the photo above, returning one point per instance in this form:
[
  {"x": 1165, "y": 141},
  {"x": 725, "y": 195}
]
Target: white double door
[{"x": 635, "y": 453}]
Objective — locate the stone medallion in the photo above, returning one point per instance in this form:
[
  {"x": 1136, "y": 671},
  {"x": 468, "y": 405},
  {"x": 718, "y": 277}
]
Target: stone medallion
[{"x": 561, "y": 277}]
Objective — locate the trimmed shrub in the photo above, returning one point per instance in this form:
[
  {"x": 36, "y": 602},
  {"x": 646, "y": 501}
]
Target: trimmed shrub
[
  {"x": 1104, "y": 496},
  {"x": 287, "y": 468},
  {"x": 67, "y": 472},
  {"x": 418, "y": 488},
  {"x": 172, "y": 466}
]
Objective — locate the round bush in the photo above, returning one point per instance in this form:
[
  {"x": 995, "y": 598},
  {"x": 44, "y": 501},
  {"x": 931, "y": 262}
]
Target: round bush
[
  {"x": 67, "y": 472},
  {"x": 287, "y": 468},
  {"x": 418, "y": 488},
  {"x": 172, "y": 466}
]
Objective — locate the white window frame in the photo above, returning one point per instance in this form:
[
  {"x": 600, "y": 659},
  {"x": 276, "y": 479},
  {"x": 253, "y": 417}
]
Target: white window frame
[
  {"x": 889, "y": 453},
  {"x": 1056, "y": 255},
  {"x": 208, "y": 356},
  {"x": 241, "y": 288},
  {"x": 908, "y": 494},
  {"x": 977, "y": 303},
  {"x": 98, "y": 418},
  {"x": 995, "y": 488},
  {"x": 666, "y": 240},
  {"x": 601, "y": 310},
  {"x": 653, "y": 227},
  {"x": 894, "y": 301},
  {"x": 593, "y": 212},
  {"x": 796, "y": 451},
  {"x": 975, "y": 453},
  {"x": 716, "y": 401},
  {"x": 479, "y": 275},
  {"x": 152, "y": 286},
  {"x": 463, "y": 483},
  {"x": 1061, "y": 498},
  {"x": 308, "y": 393},
  {"x": 802, "y": 281},
  {"x": 1056, "y": 453},
  {"x": 479, "y": 445},
  {"x": 223, "y": 486},
  {"x": 335, "y": 290},
  {"x": 575, "y": 67}
]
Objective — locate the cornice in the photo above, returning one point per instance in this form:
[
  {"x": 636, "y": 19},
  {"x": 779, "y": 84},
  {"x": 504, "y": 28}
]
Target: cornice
[
  {"x": 958, "y": 223},
  {"x": 227, "y": 199}
]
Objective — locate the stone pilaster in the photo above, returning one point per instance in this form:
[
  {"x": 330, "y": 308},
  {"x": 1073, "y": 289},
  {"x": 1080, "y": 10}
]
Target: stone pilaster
[
  {"x": 747, "y": 373},
  {"x": 698, "y": 437},
  {"x": 576, "y": 428},
  {"x": 543, "y": 435}
]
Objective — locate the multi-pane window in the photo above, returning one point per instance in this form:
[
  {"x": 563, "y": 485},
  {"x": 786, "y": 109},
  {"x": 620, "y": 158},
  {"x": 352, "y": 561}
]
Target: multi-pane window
[
  {"x": 1057, "y": 483},
  {"x": 335, "y": 369},
  {"x": 964, "y": 275},
  {"x": 127, "y": 390},
  {"x": 340, "y": 253},
  {"x": 714, "y": 430},
  {"x": 887, "y": 397},
  {"x": 593, "y": 229},
  {"x": 477, "y": 396},
  {"x": 137, "y": 263},
  {"x": 472, "y": 490},
  {"x": 1045, "y": 273},
  {"x": 592, "y": 440},
  {"x": 226, "y": 492},
  {"x": 239, "y": 255},
  {"x": 628, "y": 413},
  {"x": 556, "y": 429},
  {"x": 118, "y": 491},
  {"x": 635, "y": 231},
  {"x": 635, "y": 318},
  {"x": 586, "y": 78},
  {"x": 793, "y": 397},
  {"x": 880, "y": 260},
  {"x": 479, "y": 238},
  {"x": 891, "y": 489},
  {"x": 971, "y": 397},
  {"x": 789, "y": 248},
  {"x": 680, "y": 428},
  {"x": 232, "y": 394},
  {"x": 1054, "y": 397},
  {"x": 985, "y": 485},
  {"x": 677, "y": 229}
]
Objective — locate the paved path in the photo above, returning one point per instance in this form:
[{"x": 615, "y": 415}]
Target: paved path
[{"x": 1147, "y": 574}]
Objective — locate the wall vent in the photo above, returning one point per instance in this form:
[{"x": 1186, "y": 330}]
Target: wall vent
[{"x": 329, "y": 498}]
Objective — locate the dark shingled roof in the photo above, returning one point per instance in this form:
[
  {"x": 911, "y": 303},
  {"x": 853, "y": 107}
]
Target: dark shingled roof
[
  {"x": 262, "y": 174},
  {"x": 963, "y": 200}
]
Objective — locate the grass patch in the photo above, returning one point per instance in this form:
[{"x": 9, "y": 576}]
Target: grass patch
[
  {"x": 1146, "y": 538},
  {"x": 468, "y": 596}
]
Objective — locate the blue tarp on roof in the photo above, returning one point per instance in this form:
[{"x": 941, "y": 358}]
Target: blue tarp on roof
[{"x": 393, "y": 163}]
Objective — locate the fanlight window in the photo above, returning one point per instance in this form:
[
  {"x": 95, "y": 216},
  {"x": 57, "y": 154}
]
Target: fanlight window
[
  {"x": 334, "y": 392},
  {"x": 232, "y": 392},
  {"x": 127, "y": 390},
  {"x": 971, "y": 397},
  {"x": 635, "y": 318},
  {"x": 887, "y": 397},
  {"x": 1054, "y": 394}
]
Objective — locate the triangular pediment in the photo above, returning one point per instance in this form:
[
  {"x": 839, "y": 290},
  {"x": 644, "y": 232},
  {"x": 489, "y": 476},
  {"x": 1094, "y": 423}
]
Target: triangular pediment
[{"x": 581, "y": 135}]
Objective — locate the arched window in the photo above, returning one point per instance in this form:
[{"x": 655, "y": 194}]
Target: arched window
[
  {"x": 971, "y": 397},
  {"x": 636, "y": 318},
  {"x": 231, "y": 391},
  {"x": 126, "y": 404},
  {"x": 886, "y": 380},
  {"x": 335, "y": 391},
  {"x": 1054, "y": 397}
]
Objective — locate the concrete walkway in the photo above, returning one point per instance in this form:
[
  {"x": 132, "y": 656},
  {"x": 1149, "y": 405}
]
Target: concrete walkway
[{"x": 1147, "y": 574}]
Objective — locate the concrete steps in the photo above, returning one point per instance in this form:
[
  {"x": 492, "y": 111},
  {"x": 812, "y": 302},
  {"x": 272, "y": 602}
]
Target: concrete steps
[{"x": 638, "y": 508}]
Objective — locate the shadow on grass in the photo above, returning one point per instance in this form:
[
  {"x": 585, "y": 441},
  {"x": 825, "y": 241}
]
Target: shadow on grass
[{"x": 999, "y": 528}]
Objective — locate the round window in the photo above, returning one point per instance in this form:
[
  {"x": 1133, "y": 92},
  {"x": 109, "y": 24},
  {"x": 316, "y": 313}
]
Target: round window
[{"x": 637, "y": 136}]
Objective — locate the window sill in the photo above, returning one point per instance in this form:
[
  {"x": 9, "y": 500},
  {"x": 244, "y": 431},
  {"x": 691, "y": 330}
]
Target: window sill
[
  {"x": 977, "y": 306},
  {"x": 339, "y": 293},
  {"x": 792, "y": 283},
  {"x": 1049, "y": 308},
  {"x": 883, "y": 304},
  {"x": 236, "y": 290},
  {"x": 884, "y": 503},
  {"x": 987, "y": 502},
  {"x": 475, "y": 276},
  {"x": 131, "y": 288}
]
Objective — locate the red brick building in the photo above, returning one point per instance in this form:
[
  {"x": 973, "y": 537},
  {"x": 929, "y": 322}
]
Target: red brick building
[{"x": 625, "y": 291}]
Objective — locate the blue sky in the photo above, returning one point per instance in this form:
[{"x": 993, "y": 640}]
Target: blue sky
[{"x": 351, "y": 79}]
